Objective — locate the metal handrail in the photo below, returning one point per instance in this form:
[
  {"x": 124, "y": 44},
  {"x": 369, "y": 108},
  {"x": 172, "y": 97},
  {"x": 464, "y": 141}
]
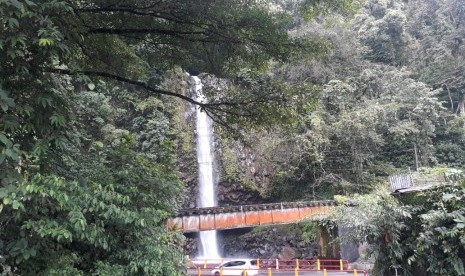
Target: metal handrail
[
  {"x": 296, "y": 272},
  {"x": 254, "y": 207},
  {"x": 317, "y": 264}
]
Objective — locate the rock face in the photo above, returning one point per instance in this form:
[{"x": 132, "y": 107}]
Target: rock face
[
  {"x": 231, "y": 193},
  {"x": 236, "y": 172},
  {"x": 191, "y": 246},
  {"x": 283, "y": 242},
  {"x": 242, "y": 174}
]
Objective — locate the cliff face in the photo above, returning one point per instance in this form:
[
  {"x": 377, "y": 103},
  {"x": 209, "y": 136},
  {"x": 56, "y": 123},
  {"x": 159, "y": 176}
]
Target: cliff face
[
  {"x": 280, "y": 241},
  {"x": 271, "y": 242},
  {"x": 243, "y": 172},
  {"x": 240, "y": 172}
]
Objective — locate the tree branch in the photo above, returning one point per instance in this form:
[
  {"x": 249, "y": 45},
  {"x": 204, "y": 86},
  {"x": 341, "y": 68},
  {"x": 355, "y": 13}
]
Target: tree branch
[
  {"x": 192, "y": 36},
  {"x": 144, "y": 31},
  {"x": 133, "y": 11},
  {"x": 215, "y": 106},
  {"x": 125, "y": 80}
]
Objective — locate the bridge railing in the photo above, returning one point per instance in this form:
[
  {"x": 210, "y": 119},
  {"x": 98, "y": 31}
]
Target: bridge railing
[
  {"x": 317, "y": 264},
  {"x": 206, "y": 263},
  {"x": 253, "y": 207},
  {"x": 281, "y": 264},
  {"x": 270, "y": 272}
]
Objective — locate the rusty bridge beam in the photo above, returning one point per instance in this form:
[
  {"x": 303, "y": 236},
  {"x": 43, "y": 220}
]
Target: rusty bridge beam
[{"x": 216, "y": 218}]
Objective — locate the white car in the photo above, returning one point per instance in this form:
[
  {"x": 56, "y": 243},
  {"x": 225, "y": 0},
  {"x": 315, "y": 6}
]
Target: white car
[{"x": 237, "y": 267}]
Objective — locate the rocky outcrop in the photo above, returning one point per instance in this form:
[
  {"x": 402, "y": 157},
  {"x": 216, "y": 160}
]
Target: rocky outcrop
[
  {"x": 282, "y": 242},
  {"x": 238, "y": 170},
  {"x": 242, "y": 173},
  {"x": 233, "y": 193}
]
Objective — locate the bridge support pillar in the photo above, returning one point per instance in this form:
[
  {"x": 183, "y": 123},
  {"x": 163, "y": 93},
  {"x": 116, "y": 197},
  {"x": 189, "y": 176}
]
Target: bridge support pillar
[{"x": 328, "y": 247}]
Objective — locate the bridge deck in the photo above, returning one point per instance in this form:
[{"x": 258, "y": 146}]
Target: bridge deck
[{"x": 229, "y": 217}]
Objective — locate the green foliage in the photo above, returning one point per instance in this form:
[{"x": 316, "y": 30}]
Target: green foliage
[
  {"x": 229, "y": 163},
  {"x": 379, "y": 221},
  {"x": 86, "y": 136},
  {"x": 308, "y": 231},
  {"x": 440, "y": 244},
  {"x": 78, "y": 196},
  {"x": 393, "y": 93},
  {"x": 373, "y": 119},
  {"x": 135, "y": 43},
  {"x": 422, "y": 234},
  {"x": 304, "y": 231},
  {"x": 361, "y": 129},
  {"x": 311, "y": 9},
  {"x": 385, "y": 36},
  {"x": 63, "y": 223},
  {"x": 87, "y": 142}
]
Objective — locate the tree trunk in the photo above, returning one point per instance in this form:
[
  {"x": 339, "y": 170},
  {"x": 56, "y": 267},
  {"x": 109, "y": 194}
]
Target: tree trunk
[
  {"x": 415, "y": 149},
  {"x": 450, "y": 99},
  {"x": 461, "y": 104},
  {"x": 328, "y": 247}
]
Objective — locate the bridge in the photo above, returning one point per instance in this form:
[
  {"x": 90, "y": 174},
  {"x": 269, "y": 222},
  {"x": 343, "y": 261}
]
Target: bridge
[{"x": 230, "y": 217}]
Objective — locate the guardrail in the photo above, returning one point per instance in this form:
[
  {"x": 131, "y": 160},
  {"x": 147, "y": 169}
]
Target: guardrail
[
  {"x": 270, "y": 272},
  {"x": 312, "y": 264},
  {"x": 253, "y": 207}
]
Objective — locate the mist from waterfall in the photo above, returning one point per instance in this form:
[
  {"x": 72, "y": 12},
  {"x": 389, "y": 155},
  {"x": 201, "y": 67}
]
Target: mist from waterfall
[{"x": 208, "y": 239}]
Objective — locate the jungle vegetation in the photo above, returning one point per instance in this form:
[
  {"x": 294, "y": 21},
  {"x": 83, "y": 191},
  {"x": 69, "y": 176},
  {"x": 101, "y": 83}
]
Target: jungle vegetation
[
  {"x": 339, "y": 93},
  {"x": 389, "y": 101},
  {"x": 88, "y": 133}
]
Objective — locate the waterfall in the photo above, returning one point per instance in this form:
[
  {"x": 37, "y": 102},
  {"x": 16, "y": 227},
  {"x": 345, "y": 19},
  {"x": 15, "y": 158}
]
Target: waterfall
[{"x": 208, "y": 239}]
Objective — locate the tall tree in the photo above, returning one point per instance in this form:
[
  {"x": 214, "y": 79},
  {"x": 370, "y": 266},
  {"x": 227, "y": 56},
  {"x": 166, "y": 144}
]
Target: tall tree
[
  {"x": 439, "y": 26},
  {"x": 437, "y": 56}
]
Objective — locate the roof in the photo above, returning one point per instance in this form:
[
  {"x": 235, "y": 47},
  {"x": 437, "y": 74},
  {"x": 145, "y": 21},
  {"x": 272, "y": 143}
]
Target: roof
[
  {"x": 413, "y": 183},
  {"x": 416, "y": 189}
]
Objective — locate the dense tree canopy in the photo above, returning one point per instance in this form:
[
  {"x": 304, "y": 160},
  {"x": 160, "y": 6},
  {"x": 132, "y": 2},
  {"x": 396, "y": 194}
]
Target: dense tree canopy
[
  {"x": 89, "y": 145},
  {"x": 418, "y": 234},
  {"x": 87, "y": 160},
  {"x": 389, "y": 101},
  {"x": 135, "y": 41}
]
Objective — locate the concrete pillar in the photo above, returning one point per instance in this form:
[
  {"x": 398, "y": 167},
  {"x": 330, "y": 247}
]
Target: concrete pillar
[
  {"x": 349, "y": 250},
  {"x": 328, "y": 247}
]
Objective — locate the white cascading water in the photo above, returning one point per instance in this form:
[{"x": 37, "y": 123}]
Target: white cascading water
[{"x": 208, "y": 239}]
